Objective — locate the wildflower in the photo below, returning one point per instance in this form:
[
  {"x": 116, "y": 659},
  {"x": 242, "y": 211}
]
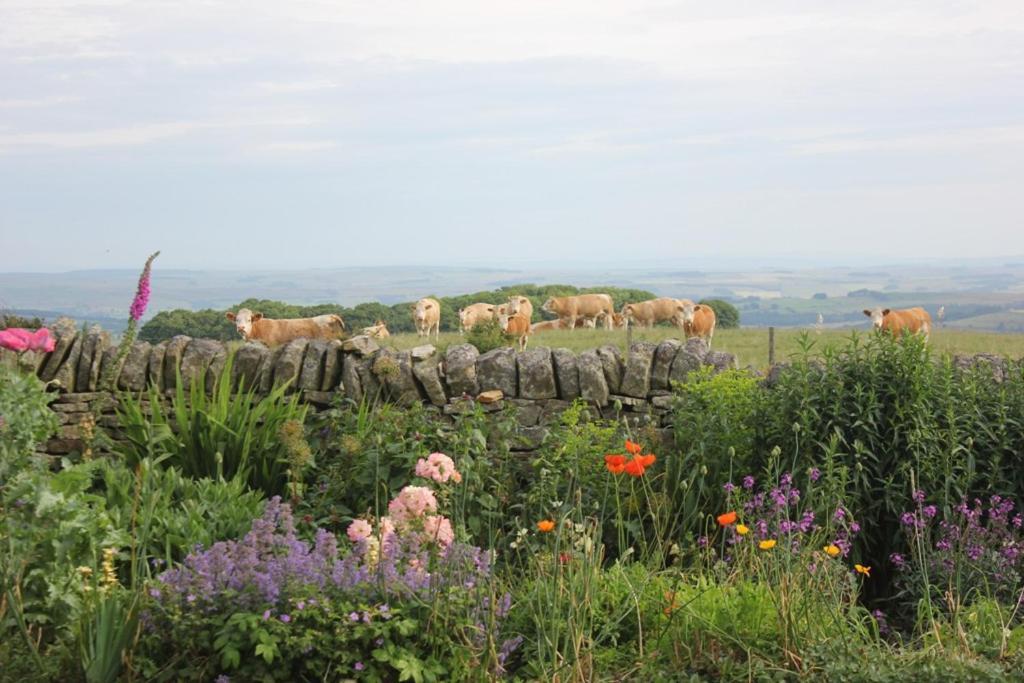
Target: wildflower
[
  {"x": 616, "y": 464},
  {"x": 85, "y": 571},
  {"x": 702, "y": 542},
  {"x": 19, "y": 339},
  {"x": 898, "y": 560},
  {"x": 109, "y": 574},
  {"x": 633, "y": 448},
  {"x": 634, "y": 468},
  {"x": 930, "y": 511},
  {"x": 832, "y": 550},
  {"x": 286, "y": 618},
  {"x": 673, "y": 602},
  {"x": 647, "y": 460},
  {"x": 266, "y": 614},
  {"x": 766, "y": 544},
  {"x": 726, "y": 518},
  {"x": 748, "y": 482},
  {"x": 411, "y": 503},
  {"x": 222, "y": 679},
  {"x": 353, "y": 616},
  {"x": 918, "y": 496},
  {"x": 438, "y": 467},
  {"x": 742, "y": 529},
  {"x": 815, "y": 474},
  {"x": 438, "y": 528},
  {"x": 545, "y": 526},
  {"x": 359, "y": 530},
  {"x": 728, "y": 487},
  {"x": 358, "y": 666},
  {"x": 861, "y": 569}
]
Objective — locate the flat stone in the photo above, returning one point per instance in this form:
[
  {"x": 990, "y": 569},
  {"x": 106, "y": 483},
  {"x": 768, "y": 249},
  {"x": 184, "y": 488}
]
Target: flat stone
[
  {"x": 496, "y": 369},
  {"x": 662, "y": 402},
  {"x": 721, "y": 361},
  {"x": 133, "y": 373},
  {"x": 172, "y": 359},
  {"x": 490, "y": 396},
  {"x": 698, "y": 347},
  {"x": 77, "y": 407},
  {"x": 636, "y": 380},
  {"x": 528, "y": 415},
  {"x": 429, "y": 377},
  {"x": 593, "y": 385},
  {"x": 459, "y": 406},
  {"x": 611, "y": 361},
  {"x": 311, "y": 375},
  {"x": 288, "y": 364},
  {"x": 80, "y": 397},
  {"x": 460, "y": 370},
  {"x": 567, "y": 373},
  {"x": 536, "y": 374},
  {"x": 528, "y": 438},
  {"x": 684, "y": 363},
  {"x": 628, "y": 401},
  {"x": 663, "y": 357},
  {"x": 423, "y": 352},
  {"x": 332, "y": 366},
  {"x": 318, "y": 398},
  {"x": 361, "y": 344}
]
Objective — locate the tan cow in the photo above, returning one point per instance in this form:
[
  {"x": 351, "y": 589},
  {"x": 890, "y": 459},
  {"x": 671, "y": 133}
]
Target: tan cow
[
  {"x": 913, "y": 320},
  {"x": 254, "y": 327},
  {"x": 516, "y": 325},
  {"x": 520, "y": 304},
  {"x": 571, "y": 308},
  {"x": 651, "y": 312},
  {"x": 618, "y": 321},
  {"x": 426, "y": 314},
  {"x": 696, "y": 320},
  {"x": 473, "y": 314},
  {"x": 546, "y": 326},
  {"x": 379, "y": 330}
]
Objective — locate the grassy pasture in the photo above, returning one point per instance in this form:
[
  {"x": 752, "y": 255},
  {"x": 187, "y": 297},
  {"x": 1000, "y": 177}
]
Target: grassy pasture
[{"x": 750, "y": 344}]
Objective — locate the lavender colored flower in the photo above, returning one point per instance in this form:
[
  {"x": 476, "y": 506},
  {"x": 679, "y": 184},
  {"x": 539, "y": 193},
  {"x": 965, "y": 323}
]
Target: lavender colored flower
[
  {"x": 285, "y": 618},
  {"x": 353, "y": 616},
  {"x": 702, "y": 542},
  {"x": 266, "y": 614},
  {"x": 918, "y": 496},
  {"x": 358, "y": 666},
  {"x": 898, "y": 561},
  {"x": 815, "y": 474},
  {"x": 748, "y": 482},
  {"x": 930, "y": 511},
  {"x": 854, "y": 528},
  {"x": 908, "y": 519},
  {"x": 728, "y": 487},
  {"x": 222, "y": 679}
]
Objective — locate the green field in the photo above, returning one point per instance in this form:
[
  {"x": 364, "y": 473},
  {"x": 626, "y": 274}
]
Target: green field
[{"x": 749, "y": 344}]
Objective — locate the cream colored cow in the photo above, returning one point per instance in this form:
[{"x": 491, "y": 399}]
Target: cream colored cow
[
  {"x": 426, "y": 314},
  {"x": 696, "y": 320},
  {"x": 571, "y": 308},
  {"x": 254, "y": 327},
  {"x": 520, "y": 304},
  {"x": 473, "y": 314},
  {"x": 651, "y": 312}
]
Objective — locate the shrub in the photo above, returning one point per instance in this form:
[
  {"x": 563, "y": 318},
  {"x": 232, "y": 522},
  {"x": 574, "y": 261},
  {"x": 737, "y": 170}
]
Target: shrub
[
  {"x": 727, "y": 316},
  {"x": 25, "y": 420},
  {"x": 487, "y": 335}
]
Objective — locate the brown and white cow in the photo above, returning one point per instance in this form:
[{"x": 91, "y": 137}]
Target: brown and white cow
[
  {"x": 254, "y": 327},
  {"x": 473, "y": 314},
  {"x": 912, "y": 320},
  {"x": 695, "y": 320},
  {"x": 426, "y": 314},
  {"x": 651, "y": 312},
  {"x": 379, "y": 330},
  {"x": 571, "y": 308},
  {"x": 516, "y": 325},
  {"x": 520, "y": 304}
]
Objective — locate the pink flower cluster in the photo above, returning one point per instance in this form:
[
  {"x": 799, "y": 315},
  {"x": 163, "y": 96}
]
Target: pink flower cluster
[
  {"x": 141, "y": 299},
  {"x": 411, "y": 503},
  {"x": 438, "y": 467},
  {"x": 19, "y": 339},
  {"x": 412, "y": 513}
]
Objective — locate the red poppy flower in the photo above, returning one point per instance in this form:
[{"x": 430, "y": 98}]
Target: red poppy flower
[
  {"x": 634, "y": 468},
  {"x": 727, "y": 518},
  {"x": 615, "y": 464},
  {"x": 648, "y": 460},
  {"x": 633, "y": 448}
]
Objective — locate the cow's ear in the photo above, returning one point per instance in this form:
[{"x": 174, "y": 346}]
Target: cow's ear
[
  {"x": 867, "y": 312},
  {"x": 697, "y": 307},
  {"x": 230, "y": 316},
  {"x": 679, "y": 308},
  {"x": 429, "y": 306},
  {"x": 257, "y": 316},
  {"x": 886, "y": 312}
]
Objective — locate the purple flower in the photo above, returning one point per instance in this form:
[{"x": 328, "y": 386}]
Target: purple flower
[
  {"x": 702, "y": 542},
  {"x": 154, "y": 593},
  {"x": 918, "y": 496},
  {"x": 222, "y": 679},
  {"x": 898, "y": 561},
  {"x": 748, "y": 482},
  {"x": 930, "y": 511},
  {"x": 728, "y": 487},
  {"x": 854, "y": 528},
  {"x": 815, "y": 474},
  {"x": 358, "y": 666},
  {"x": 285, "y": 618},
  {"x": 141, "y": 300},
  {"x": 266, "y": 614},
  {"x": 379, "y": 642},
  {"x": 908, "y": 519},
  {"x": 301, "y": 605},
  {"x": 353, "y": 616}
]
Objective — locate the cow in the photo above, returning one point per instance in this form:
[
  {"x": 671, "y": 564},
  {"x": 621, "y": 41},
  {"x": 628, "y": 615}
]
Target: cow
[
  {"x": 618, "y": 321},
  {"x": 546, "y": 326},
  {"x": 570, "y": 308},
  {"x": 695, "y": 320},
  {"x": 651, "y": 312},
  {"x": 516, "y": 325},
  {"x": 473, "y": 314},
  {"x": 379, "y": 330},
  {"x": 500, "y": 310},
  {"x": 254, "y": 327},
  {"x": 426, "y": 314},
  {"x": 913, "y": 320},
  {"x": 520, "y": 304}
]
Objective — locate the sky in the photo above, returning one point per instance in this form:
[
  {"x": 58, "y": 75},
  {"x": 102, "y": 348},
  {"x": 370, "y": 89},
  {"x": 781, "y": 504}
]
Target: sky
[{"x": 324, "y": 133}]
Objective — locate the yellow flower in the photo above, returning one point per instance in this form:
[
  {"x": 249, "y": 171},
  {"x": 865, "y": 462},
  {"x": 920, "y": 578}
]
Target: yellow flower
[
  {"x": 766, "y": 544},
  {"x": 861, "y": 569},
  {"x": 85, "y": 571},
  {"x": 742, "y": 529},
  {"x": 832, "y": 550},
  {"x": 109, "y": 574}
]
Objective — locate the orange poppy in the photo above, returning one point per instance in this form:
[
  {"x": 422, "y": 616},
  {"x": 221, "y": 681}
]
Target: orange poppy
[
  {"x": 648, "y": 460},
  {"x": 615, "y": 464},
  {"x": 633, "y": 448},
  {"x": 861, "y": 569},
  {"x": 545, "y": 525},
  {"x": 727, "y": 518},
  {"x": 634, "y": 468}
]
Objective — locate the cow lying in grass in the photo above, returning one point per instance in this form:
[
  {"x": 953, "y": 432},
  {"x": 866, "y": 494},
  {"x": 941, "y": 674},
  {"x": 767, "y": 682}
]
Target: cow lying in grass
[
  {"x": 378, "y": 330},
  {"x": 254, "y": 327}
]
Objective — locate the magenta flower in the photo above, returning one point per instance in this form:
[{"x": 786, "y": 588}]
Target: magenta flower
[
  {"x": 19, "y": 339},
  {"x": 142, "y": 294}
]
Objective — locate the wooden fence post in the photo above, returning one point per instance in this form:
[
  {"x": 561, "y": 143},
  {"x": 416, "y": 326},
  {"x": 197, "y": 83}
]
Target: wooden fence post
[{"x": 771, "y": 346}]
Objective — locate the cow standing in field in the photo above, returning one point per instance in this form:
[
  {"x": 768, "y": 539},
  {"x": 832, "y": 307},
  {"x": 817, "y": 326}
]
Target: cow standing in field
[
  {"x": 912, "y": 320},
  {"x": 516, "y": 325},
  {"x": 379, "y": 330},
  {"x": 696, "y": 320},
  {"x": 651, "y": 312},
  {"x": 473, "y": 314},
  {"x": 569, "y": 309},
  {"x": 426, "y": 314},
  {"x": 254, "y": 327},
  {"x": 520, "y": 304}
]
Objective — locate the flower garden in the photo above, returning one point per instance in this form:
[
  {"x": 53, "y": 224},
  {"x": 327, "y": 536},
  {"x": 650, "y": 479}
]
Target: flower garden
[{"x": 854, "y": 519}]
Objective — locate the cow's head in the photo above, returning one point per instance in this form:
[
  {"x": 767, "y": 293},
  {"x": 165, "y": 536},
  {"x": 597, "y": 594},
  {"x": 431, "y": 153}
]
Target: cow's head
[
  {"x": 503, "y": 318},
  {"x": 243, "y": 321},
  {"x": 421, "y": 308},
  {"x": 549, "y": 306},
  {"x": 628, "y": 313},
  {"x": 685, "y": 311},
  {"x": 876, "y": 314},
  {"x": 517, "y": 303},
  {"x": 618, "y": 321}
]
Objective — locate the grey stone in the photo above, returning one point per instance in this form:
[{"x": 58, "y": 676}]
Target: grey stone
[
  {"x": 288, "y": 364},
  {"x": 68, "y": 370},
  {"x": 995, "y": 364},
  {"x": 216, "y": 369},
  {"x": 321, "y": 399},
  {"x": 361, "y": 344},
  {"x": 662, "y": 402},
  {"x": 332, "y": 366},
  {"x": 172, "y": 359},
  {"x": 461, "y": 406},
  {"x": 350, "y": 378},
  {"x": 637, "y": 405},
  {"x": 133, "y": 373},
  {"x": 372, "y": 388},
  {"x": 567, "y": 373},
  {"x": 698, "y": 347},
  {"x": 430, "y": 379},
  {"x": 88, "y": 372},
  {"x": 496, "y": 369},
  {"x": 611, "y": 361},
  {"x": 423, "y": 352},
  {"x": 398, "y": 379},
  {"x": 195, "y": 361},
  {"x": 65, "y": 334},
  {"x": 636, "y": 380},
  {"x": 460, "y": 370},
  {"x": 720, "y": 361},
  {"x": 29, "y": 361},
  {"x": 536, "y": 374},
  {"x": 106, "y": 371},
  {"x": 155, "y": 369},
  {"x": 250, "y": 361},
  {"x": 593, "y": 385},
  {"x": 684, "y": 363},
  {"x": 663, "y": 357},
  {"x": 528, "y": 438},
  {"x": 311, "y": 376},
  {"x": 528, "y": 413}
]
